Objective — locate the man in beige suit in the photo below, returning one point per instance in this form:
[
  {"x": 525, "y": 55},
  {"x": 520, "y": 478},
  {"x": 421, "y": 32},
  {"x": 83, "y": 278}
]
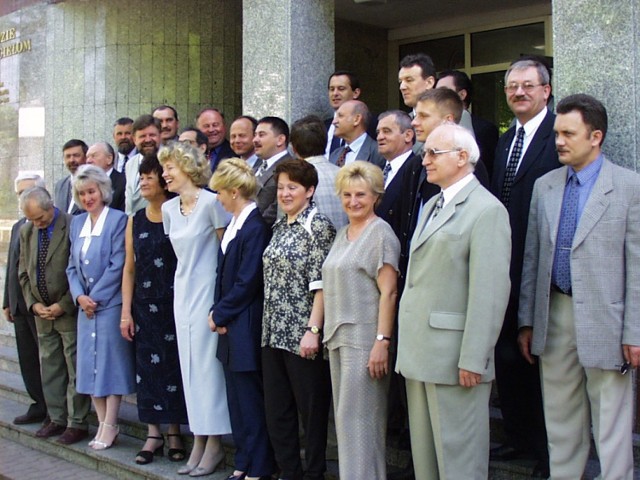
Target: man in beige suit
[
  {"x": 580, "y": 295},
  {"x": 451, "y": 311}
]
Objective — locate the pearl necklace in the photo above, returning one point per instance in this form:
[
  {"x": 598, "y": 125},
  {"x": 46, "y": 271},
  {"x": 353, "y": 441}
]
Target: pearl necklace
[{"x": 186, "y": 213}]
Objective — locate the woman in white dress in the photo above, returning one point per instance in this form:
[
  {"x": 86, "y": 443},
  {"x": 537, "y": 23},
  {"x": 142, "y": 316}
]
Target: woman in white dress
[{"x": 195, "y": 222}]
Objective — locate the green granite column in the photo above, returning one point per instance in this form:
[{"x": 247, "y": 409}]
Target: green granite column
[
  {"x": 597, "y": 51},
  {"x": 288, "y": 54}
]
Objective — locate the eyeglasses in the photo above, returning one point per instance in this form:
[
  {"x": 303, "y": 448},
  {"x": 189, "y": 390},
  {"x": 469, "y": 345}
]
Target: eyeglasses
[
  {"x": 527, "y": 87},
  {"x": 432, "y": 152}
]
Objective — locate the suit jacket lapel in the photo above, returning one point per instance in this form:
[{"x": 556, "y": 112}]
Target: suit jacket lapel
[
  {"x": 538, "y": 142},
  {"x": 596, "y": 205},
  {"x": 553, "y": 202},
  {"x": 57, "y": 236}
]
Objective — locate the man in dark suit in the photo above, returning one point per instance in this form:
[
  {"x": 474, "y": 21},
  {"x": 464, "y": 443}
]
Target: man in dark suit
[
  {"x": 44, "y": 255},
  {"x": 169, "y": 123},
  {"x": 395, "y": 140},
  {"x": 101, "y": 155},
  {"x": 16, "y": 312},
  {"x": 524, "y": 153},
  {"x": 210, "y": 121},
  {"x": 123, "y": 140},
  {"x": 74, "y": 154},
  {"x": 486, "y": 133},
  {"x": 271, "y": 141},
  {"x": 351, "y": 121}
]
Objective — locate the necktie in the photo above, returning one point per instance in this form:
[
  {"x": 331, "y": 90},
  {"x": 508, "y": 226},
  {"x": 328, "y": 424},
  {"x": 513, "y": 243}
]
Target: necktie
[
  {"x": 512, "y": 167},
  {"x": 385, "y": 172},
  {"x": 126, "y": 159},
  {"x": 343, "y": 156},
  {"x": 438, "y": 207},
  {"x": 566, "y": 231},
  {"x": 42, "y": 263},
  {"x": 263, "y": 167}
]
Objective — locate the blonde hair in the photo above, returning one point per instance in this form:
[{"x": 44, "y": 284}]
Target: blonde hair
[
  {"x": 189, "y": 159},
  {"x": 235, "y": 173},
  {"x": 361, "y": 171}
]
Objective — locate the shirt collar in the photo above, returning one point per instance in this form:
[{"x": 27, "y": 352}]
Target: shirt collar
[
  {"x": 357, "y": 143},
  {"x": 317, "y": 159},
  {"x": 452, "y": 190},
  {"x": 587, "y": 172},
  {"x": 97, "y": 228},
  {"x": 275, "y": 158},
  {"x": 532, "y": 125}
]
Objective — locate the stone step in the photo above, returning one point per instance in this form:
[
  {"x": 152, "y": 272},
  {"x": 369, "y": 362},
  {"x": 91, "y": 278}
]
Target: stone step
[{"x": 9, "y": 359}]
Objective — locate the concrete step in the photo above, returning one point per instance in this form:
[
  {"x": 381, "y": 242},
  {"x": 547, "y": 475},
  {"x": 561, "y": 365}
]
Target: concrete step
[{"x": 9, "y": 359}]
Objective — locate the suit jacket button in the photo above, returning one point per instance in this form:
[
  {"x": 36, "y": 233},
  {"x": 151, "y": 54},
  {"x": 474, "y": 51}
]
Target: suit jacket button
[
  {"x": 91, "y": 280},
  {"x": 86, "y": 262}
]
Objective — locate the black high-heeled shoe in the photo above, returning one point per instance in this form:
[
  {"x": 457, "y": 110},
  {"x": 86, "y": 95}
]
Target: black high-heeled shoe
[
  {"x": 176, "y": 454},
  {"x": 143, "y": 457}
]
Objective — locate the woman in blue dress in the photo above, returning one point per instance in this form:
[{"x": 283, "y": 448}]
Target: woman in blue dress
[{"x": 105, "y": 360}]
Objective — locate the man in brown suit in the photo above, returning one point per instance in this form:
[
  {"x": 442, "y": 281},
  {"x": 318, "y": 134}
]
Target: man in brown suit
[{"x": 44, "y": 254}]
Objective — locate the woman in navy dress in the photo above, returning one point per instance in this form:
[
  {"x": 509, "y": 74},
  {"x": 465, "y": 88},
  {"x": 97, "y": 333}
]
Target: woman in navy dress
[
  {"x": 147, "y": 316},
  {"x": 237, "y": 317},
  {"x": 105, "y": 360}
]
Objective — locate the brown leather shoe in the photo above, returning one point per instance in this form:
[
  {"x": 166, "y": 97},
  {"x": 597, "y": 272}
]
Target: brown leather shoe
[
  {"x": 50, "y": 430},
  {"x": 29, "y": 418},
  {"x": 72, "y": 435}
]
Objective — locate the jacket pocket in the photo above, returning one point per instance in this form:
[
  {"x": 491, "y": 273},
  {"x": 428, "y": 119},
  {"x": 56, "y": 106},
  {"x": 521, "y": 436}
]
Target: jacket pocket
[{"x": 447, "y": 321}]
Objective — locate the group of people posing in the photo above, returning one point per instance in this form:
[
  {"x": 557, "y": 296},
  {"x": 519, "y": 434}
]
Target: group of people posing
[{"x": 247, "y": 285}]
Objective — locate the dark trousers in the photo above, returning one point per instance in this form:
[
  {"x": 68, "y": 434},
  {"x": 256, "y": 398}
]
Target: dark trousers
[
  {"x": 28, "y": 357},
  {"x": 245, "y": 397},
  {"x": 294, "y": 385},
  {"x": 520, "y": 393}
]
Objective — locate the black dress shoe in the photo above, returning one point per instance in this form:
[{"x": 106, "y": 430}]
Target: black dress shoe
[
  {"x": 237, "y": 477},
  {"x": 504, "y": 453},
  {"x": 29, "y": 418},
  {"x": 541, "y": 470},
  {"x": 50, "y": 430}
]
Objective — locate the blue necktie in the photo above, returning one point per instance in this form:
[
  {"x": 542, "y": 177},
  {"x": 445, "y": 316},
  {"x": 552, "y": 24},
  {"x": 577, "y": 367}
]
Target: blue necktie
[
  {"x": 512, "y": 167},
  {"x": 566, "y": 231}
]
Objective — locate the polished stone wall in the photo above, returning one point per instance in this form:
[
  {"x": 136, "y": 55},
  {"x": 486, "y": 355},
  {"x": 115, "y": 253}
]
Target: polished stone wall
[
  {"x": 92, "y": 61},
  {"x": 596, "y": 46}
]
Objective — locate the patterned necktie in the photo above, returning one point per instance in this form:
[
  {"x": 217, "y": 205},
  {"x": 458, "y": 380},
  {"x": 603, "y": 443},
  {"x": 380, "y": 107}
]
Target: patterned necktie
[
  {"x": 263, "y": 167},
  {"x": 438, "y": 207},
  {"x": 42, "y": 263},
  {"x": 343, "y": 156},
  {"x": 512, "y": 167},
  {"x": 385, "y": 172},
  {"x": 566, "y": 231}
]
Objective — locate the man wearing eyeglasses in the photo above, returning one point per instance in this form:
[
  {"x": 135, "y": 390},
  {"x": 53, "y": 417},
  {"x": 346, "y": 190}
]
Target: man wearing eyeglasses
[
  {"x": 524, "y": 153},
  {"x": 454, "y": 299},
  {"x": 580, "y": 296}
]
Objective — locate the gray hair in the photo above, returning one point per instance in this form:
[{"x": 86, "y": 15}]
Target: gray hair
[
  {"x": 38, "y": 194},
  {"x": 38, "y": 180},
  {"x": 402, "y": 119},
  {"x": 462, "y": 139},
  {"x": 543, "y": 73},
  {"x": 92, "y": 174}
]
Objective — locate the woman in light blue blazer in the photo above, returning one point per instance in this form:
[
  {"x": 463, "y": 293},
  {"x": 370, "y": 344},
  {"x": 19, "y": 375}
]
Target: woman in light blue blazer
[{"x": 106, "y": 366}]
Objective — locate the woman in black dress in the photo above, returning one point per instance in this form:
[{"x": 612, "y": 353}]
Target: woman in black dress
[{"x": 147, "y": 316}]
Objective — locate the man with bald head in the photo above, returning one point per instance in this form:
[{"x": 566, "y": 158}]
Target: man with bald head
[
  {"x": 451, "y": 312},
  {"x": 102, "y": 155},
  {"x": 210, "y": 121},
  {"x": 350, "y": 122}
]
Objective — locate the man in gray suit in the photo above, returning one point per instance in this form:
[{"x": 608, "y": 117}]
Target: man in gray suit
[
  {"x": 580, "y": 295},
  {"x": 351, "y": 121},
  {"x": 271, "y": 140},
  {"x": 74, "y": 154},
  {"x": 451, "y": 311}
]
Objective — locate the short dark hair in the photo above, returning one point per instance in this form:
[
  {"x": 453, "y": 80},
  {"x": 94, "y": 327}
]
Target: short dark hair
[
  {"x": 74, "y": 142},
  {"x": 423, "y": 61},
  {"x": 278, "y": 125},
  {"x": 353, "y": 80},
  {"x": 144, "y": 121},
  {"x": 299, "y": 171},
  {"x": 446, "y": 100},
  {"x": 309, "y": 136},
  {"x": 166, "y": 107},
  {"x": 461, "y": 81},
  {"x": 123, "y": 121},
  {"x": 201, "y": 138},
  {"x": 544, "y": 61},
  {"x": 591, "y": 109},
  {"x": 152, "y": 165}
]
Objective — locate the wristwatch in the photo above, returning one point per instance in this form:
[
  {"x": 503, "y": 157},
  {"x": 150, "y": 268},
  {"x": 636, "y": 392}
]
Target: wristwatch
[
  {"x": 380, "y": 337},
  {"x": 315, "y": 330}
]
